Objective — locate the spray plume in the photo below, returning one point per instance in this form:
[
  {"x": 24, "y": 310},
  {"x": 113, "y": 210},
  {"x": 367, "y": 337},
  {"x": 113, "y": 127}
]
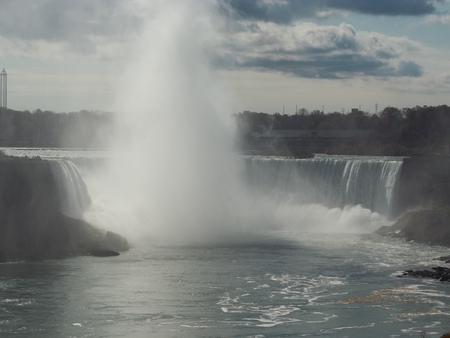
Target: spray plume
[
  {"x": 175, "y": 168},
  {"x": 175, "y": 176}
]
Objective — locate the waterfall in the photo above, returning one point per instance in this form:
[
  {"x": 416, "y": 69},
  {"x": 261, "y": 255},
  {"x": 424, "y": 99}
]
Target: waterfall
[
  {"x": 73, "y": 194},
  {"x": 333, "y": 181}
]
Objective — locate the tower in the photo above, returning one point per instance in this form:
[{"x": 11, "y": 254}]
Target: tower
[{"x": 3, "y": 88}]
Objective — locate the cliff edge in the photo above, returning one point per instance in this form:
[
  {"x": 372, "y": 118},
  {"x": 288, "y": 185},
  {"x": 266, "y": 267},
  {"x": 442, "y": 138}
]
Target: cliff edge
[{"x": 31, "y": 225}]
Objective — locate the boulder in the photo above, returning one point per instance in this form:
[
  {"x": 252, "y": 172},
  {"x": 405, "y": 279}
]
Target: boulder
[
  {"x": 116, "y": 242},
  {"x": 103, "y": 253}
]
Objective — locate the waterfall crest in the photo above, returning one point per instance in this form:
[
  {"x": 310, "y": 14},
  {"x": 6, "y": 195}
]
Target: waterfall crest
[
  {"x": 73, "y": 193},
  {"x": 328, "y": 180}
]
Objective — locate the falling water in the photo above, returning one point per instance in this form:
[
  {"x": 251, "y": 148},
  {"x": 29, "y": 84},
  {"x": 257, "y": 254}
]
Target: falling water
[
  {"x": 330, "y": 181},
  {"x": 176, "y": 176},
  {"x": 73, "y": 193}
]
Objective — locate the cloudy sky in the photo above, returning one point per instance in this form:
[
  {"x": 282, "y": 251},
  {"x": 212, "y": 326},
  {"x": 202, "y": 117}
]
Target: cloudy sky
[{"x": 64, "y": 55}]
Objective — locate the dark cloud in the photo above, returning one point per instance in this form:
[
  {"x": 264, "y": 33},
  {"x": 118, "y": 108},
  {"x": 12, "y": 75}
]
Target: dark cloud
[
  {"x": 326, "y": 67},
  {"x": 385, "y": 7},
  {"x": 409, "y": 68},
  {"x": 277, "y": 11},
  {"x": 286, "y": 11}
]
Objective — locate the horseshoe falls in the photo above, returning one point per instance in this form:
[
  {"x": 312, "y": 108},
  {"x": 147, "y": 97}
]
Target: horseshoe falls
[
  {"x": 331, "y": 181},
  {"x": 265, "y": 282}
]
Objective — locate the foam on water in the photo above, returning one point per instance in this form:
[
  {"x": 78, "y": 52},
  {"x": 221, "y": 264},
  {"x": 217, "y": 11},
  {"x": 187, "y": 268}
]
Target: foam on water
[{"x": 313, "y": 285}]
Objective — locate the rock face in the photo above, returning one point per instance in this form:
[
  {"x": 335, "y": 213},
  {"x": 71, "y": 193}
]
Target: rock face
[
  {"x": 423, "y": 226},
  {"x": 424, "y": 183},
  {"x": 31, "y": 227}
]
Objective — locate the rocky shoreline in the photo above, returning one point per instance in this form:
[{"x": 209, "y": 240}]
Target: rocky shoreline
[
  {"x": 437, "y": 272},
  {"x": 430, "y": 227}
]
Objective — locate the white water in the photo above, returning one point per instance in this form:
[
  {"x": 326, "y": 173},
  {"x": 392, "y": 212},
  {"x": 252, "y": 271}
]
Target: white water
[
  {"x": 177, "y": 178},
  {"x": 73, "y": 193},
  {"x": 333, "y": 181},
  {"x": 270, "y": 193}
]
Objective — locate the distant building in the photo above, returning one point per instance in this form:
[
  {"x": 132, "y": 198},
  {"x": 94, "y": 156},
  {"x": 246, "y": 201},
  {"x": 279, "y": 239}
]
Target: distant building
[{"x": 3, "y": 89}]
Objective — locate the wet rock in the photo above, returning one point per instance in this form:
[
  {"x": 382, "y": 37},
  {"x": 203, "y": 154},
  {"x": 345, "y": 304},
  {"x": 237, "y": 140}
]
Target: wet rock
[
  {"x": 103, "y": 253},
  {"x": 445, "y": 259},
  {"x": 438, "y": 272},
  {"x": 116, "y": 242}
]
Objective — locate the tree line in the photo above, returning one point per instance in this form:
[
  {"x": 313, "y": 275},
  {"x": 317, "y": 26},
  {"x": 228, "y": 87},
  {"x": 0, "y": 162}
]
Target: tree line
[
  {"x": 84, "y": 129},
  {"x": 407, "y": 131}
]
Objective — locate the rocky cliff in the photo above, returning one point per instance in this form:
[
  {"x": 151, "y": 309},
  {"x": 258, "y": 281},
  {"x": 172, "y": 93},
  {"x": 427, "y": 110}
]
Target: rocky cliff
[
  {"x": 424, "y": 183},
  {"x": 31, "y": 225},
  {"x": 422, "y": 226}
]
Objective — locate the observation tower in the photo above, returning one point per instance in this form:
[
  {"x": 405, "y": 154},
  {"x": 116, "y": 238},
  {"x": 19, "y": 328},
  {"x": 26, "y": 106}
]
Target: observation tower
[{"x": 3, "y": 88}]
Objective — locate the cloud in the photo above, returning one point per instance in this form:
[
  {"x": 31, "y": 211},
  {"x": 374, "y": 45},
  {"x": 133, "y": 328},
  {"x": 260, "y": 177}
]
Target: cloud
[
  {"x": 385, "y": 7},
  {"x": 324, "y": 67},
  {"x": 385, "y": 47},
  {"x": 78, "y": 24},
  {"x": 55, "y": 29},
  {"x": 436, "y": 19},
  {"x": 287, "y": 11},
  {"x": 313, "y": 51},
  {"x": 409, "y": 68},
  {"x": 302, "y": 38}
]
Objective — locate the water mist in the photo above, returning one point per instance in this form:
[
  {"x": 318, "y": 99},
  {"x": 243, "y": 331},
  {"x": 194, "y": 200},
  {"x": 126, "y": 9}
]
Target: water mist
[
  {"x": 175, "y": 176},
  {"x": 174, "y": 173}
]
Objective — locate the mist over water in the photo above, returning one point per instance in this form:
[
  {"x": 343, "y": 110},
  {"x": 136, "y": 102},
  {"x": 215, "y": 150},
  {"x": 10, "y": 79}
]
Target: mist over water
[
  {"x": 176, "y": 177},
  {"x": 175, "y": 170}
]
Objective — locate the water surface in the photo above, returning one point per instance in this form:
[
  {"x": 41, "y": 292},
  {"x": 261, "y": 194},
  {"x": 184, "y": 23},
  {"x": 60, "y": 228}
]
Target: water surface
[{"x": 280, "y": 285}]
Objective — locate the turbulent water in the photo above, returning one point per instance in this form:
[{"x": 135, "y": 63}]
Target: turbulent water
[
  {"x": 254, "y": 284},
  {"x": 283, "y": 285}
]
